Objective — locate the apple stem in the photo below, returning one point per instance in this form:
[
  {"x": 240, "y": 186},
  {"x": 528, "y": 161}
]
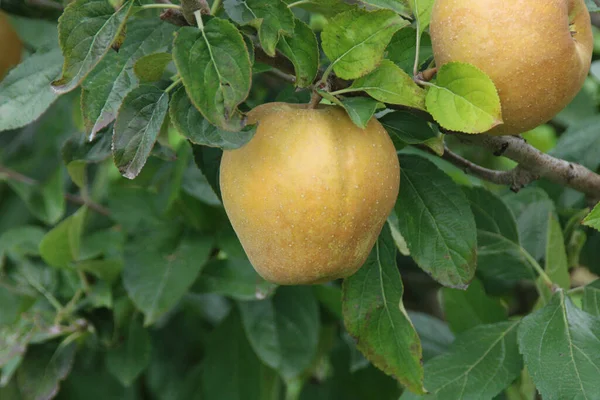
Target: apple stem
[{"x": 315, "y": 99}]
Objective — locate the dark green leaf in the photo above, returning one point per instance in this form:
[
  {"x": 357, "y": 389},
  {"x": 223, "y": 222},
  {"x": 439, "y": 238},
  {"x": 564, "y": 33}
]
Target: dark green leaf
[
  {"x": 591, "y": 298},
  {"x": 151, "y": 67},
  {"x": 328, "y": 8},
  {"x": 375, "y": 316},
  {"x": 233, "y": 371},
  {"x": 466, "y": 309},
  {"x": 215, "y": 67},
  {"x": 399, "y": 6},
  {"x": 492, "y": 214},
  {"x": 435, "y": 335},
  {"x": 593, "y": 218},
  {"x": 361, "y": 109},
  {"x": 557, "y": 267},
  {"x": 436, "y": 222},
  {"x": 479, "y": 365},
  {"x": 86, "y": 31},
  {"x": 580, "y": 143},
  {"x": 407, "y": 128},
  {"x": 131, "y": 357},
  {"x": 560, "y": 345},
  {"x": 190, "y": 123},
  {"x": 234, "y": 278},
  {"x": 355, "y": 40},
  {"x": 110, "y": 82},
  {"x": 26, "y": 93},
  {"x": 43, "y": 369},
  {"x": 403, "y": 47},
  {"x": 140, "y": 119},
  {"x": 303, "y": 51},
  {"x": 208, "y": 159},
  {"x": 284, "y": 330},
  {"x": 272, "y": 19},
  {"x": 156, "y": 280}
]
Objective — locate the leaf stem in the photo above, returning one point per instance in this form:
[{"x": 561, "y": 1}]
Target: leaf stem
[
  {"x": 536, "y": 266},
  {"x": 418, "y": 42},
  {"x": 298, "y": 3},
  {"x": 173, "y": 85},
  {"x": 293, "y": 389},
  {"x": 215, "y": 7},
  {"x": 161, "y": 6},
  {"x": 342, "y": 91},
  {"x": 199, "y": 21}
]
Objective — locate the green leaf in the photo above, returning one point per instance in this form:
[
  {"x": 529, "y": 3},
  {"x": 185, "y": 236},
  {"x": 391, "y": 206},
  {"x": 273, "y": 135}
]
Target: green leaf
[
  {"x": 108, "y": 270},
  {"x": 60, "y": 247},
  {"x": 303, "y": 51},
  {"x": 466, "y": 309},
  {"x": 127, "y": 361},
  {"x": 355, "y": 40},
  {"x": 138, "y": 124},
  {"x": 591, "y": 298},
  {"x": 405, "y": 128},
  {"x": 79, "y": 149},
  {"x": 531, "y": 208},
  {"x": 580, "y": 143},
  {"x": 20, "y": 242},
  {"x": 479, "y": 365},
  {"x": 435, "y": 335},
  {"x": 114, "y": 77},
  {"x": 422, "y": 11},
  {"x": 436, "y": 222},
  {"x": 86, "y": 31},
  {"x": 464, "y": 99},
  {"x": 592, "y": 6},
  {"x": 208, "y": 159},
  {"x": 557, "y": 267},
  {"x": 151, "y": 67},
  {"x": 361, "y": 109},
  {"x": 375, "y": 316},
  {"x": 284, "y": 330},
  {"x": 25, "y": 93},
  {"x": 235, "y": 278},
  {"x": 43, "y": 369},
  {"x": 403, "y": 49},
  {"x": 190, "y": 123},
  {"x": 390, "y": 84},
  {"x": 235, "y": 373},
  {"x": 399, "y": 6},
  {"x": 329, "y": 8},
  {"x": 272, "y": 19},
  {"x": 560, "y": 346},
  {"x": 156, "y": 280},
  {"x": 593, "y": 218},
  {"x": 492, "y": 214},
  {"x": 215, "y": 67}
]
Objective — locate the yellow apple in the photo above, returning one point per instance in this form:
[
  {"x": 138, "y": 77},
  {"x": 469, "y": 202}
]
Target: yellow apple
[
  {"x": 537, "y": 52},
  {"x": 10, "y": 46},
  {"x": 309, "y": 194}
]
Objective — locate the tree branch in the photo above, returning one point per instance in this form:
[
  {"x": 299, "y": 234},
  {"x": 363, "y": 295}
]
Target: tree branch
[{"x": 536, "y": 164}]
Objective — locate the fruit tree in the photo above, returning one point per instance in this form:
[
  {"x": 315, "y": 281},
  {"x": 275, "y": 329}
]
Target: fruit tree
[{"x": 299, "y": 199}]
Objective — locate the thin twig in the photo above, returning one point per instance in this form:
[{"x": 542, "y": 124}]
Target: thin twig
[
  {"x": 90, "y": 204},
  {"x": 315, "y": 99},
  {"x": 45, "y": 4},
  {"x": 16, "y": 176}
]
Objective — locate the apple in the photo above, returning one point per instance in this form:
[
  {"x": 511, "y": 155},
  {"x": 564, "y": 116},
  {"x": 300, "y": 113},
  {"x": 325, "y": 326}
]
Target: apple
[
  {"x": 10, "y": 46},
  {"x": 309, "y": 194},
  {"x": 537, "y": 52}
]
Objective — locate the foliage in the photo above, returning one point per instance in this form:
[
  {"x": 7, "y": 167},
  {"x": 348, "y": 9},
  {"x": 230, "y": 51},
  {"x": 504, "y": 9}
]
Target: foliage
[{"x": 122, "y": 278}]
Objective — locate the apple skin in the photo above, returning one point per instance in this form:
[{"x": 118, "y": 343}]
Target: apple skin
[
  {"x": 10, "y": 46},
  {"x": 537, "y": 52},
  {"x": 309, "y": 194}
]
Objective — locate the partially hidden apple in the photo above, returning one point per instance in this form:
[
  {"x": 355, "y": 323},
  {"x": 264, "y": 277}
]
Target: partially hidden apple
[
  {"x": 309, "y": 194},
  {"x": 537, "y": 52},
  {"x": 10, "y": 46}
]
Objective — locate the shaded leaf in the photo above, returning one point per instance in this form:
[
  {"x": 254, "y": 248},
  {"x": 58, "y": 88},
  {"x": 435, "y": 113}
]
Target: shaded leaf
[
  {"x": 402, "y": 49},
  {"x": 580, "y": 143},
  {"x": 375, "y": 316},
  {"x": 284, "y": 330},
  {"x": 303, "y": 51},
  {"x": 591, "y": 298},
  {"x": 593, "y": 218},
  {"x": 86, "y": 31},
  {"x": 138, "y": 124},
  {"x": 361, "y": 109},
  {"x": 151, "y": 67},
  {"x": 131, "y": 357},
  {"x": 354, "y": 41},
  {"x": 492, "y": 214},
  {"x": 215, "y": 67},
  {"x": 156, "y": 280},
  {"x": 25, "y": 93},
  {"x": 435, "y": 335},
  {"x": 407, "y": 128},
  {"x": 436, "y": 222},
  {"x": 60, "y": 247},
  {"x": 190, "y": 123}
]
